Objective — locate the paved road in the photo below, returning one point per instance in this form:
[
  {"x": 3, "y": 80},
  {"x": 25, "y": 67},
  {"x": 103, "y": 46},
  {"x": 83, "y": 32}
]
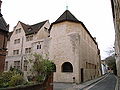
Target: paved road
[{"x": 108, "y": 83}]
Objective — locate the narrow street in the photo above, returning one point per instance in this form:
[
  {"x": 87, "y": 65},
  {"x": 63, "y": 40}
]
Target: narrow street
[{"x": 107, "y": 83}]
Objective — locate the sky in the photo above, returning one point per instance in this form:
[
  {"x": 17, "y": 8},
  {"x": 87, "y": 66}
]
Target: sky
[{"x": 95, "y": 14}]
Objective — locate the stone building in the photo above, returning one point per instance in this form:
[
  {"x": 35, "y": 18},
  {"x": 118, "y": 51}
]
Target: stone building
[
  {"x": 67, "y": 43},
  {"x": 73, "y": 50},
  {"x": 20, "y": 43},
  {"x": 3, "y": 40},
  {"x": 104, "y": 67},
  {"x": 116, "y": 18}
]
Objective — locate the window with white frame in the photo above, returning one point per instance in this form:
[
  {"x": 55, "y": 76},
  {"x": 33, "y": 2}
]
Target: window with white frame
[
  {"x": 29, "y": 38},
  {"x": 27, "y": 50},
  {"x": 16, "y": 52},
  {"x": 16, "y": 41},
  {"x": 39, "y": 46},
  {"x": 17, "y": 65},
  {"x": 18, "y": 31}
]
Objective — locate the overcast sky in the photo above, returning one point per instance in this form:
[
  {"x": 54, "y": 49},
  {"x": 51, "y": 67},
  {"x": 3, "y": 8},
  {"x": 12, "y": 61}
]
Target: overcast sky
[{"x": 95, "y": 14}]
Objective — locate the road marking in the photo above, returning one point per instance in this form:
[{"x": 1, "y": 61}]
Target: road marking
[
  {"x": 87, "y": 88},
  {"x": 116, "y": 86}
]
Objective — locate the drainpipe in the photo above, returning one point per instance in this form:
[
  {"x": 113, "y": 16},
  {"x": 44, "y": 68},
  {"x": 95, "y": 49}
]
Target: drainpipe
[{"x": 22, "y": 53}]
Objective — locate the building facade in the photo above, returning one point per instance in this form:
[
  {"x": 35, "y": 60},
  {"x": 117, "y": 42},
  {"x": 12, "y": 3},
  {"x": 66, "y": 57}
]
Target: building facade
[
  {"x": 73, "y": 50},
  {"x": 104, "y": 67},
  {"x": 3, "y": 40},
  {"x": 68, "y": 44},
  {"x": 116, "y": 17},
  {"x": 20, "y": 44}
]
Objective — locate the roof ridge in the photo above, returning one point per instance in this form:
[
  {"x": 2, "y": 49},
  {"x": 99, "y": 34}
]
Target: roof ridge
[
  {"x": 24, "y": 23},
  {"x": 67, "y": 16},
  {"x": 39, "y": 23}
]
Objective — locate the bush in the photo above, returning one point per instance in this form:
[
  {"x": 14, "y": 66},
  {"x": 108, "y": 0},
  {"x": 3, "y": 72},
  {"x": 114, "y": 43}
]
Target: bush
[
  {"x": 41, "y": 67},
  {"x": 13, "y": 77},
  {"x": 5, "y": 77},
  {"x": 16, "y": 80}
]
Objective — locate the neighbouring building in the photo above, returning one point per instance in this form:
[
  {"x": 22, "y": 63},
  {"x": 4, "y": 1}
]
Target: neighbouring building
[
  {"x": 116, "y": 18},
  {"x": 104, "y": 67},
  {"x": 67, "y": 43},
  {"x": 3, "y": 40},
  {"x": 20, "y": 43}
]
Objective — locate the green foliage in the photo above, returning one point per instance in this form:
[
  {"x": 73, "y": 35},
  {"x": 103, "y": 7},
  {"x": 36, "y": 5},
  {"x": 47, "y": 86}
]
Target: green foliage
[
  {"x": 41, "y": 67},
  {"x": 39, "y": 78},
  {"x": 13, "y": 77},
  {"x": 111, "y": 62},
  {"x": 16, "y": 80}
]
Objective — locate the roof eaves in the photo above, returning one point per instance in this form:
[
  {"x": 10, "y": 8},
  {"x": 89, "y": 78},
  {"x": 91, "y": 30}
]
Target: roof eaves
[{"x": 88, "y": 32}]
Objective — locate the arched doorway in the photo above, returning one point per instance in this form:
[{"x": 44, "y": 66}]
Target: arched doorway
[{"x": 67, "y": 67}]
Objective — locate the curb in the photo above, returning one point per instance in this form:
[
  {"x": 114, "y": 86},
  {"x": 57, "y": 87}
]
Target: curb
[
  {"x": 100, "y": 78},
  {"x": 117, "y": 85}
]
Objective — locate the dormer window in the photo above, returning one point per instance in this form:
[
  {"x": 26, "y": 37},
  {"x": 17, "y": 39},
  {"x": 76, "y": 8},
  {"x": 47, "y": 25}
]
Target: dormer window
[
  {"x": 45, "y": 29},
  {"x": 29, "y": 38},
  {"x": 18, "y": 31},
  {"x": 29, "y": 29}
]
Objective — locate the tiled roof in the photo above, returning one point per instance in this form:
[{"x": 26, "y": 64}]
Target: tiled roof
[
  {"x": 3, "y": 24},
  {"x": 9, "y": 35},
  {"x": 30, "y": 29},
  {"x": 67, "y": 16}
]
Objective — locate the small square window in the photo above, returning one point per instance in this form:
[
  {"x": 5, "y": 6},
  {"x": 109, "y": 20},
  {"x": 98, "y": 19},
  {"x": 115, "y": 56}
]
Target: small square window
[
  {"x": 29, "y": 38},
  {"x": 18, "y": 31},
  {"x": 16, "y": 41},
  {"x": 27, "y": 50},
  {"x": 15, "y": 52},
  {"x": 38, "y": 46}
]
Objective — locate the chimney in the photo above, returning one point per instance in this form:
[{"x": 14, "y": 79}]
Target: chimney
[
  {"x": 0, "y": 8},
  {"x": 0, "y": 4},
  {"x": 95, "y": 38}
]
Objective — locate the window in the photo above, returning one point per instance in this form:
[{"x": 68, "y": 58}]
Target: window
[
  {"x": 18, "y": 31},
  {"x": 67, "y": 67},
  {"x": 29, "y": 38},
  {"x": 45, "y": 29},
  {"x": 15, "y": 52},
  {"x": 6, "y": 65},
  {"x": 39, "y": 46},
  {"x": 25, "y": 65},
  {"x": 27, "y": 50},
  {"x": 54, "y": 67},
  {"x": 17, "y": 65},
  {"x": 16, "y": 41}
]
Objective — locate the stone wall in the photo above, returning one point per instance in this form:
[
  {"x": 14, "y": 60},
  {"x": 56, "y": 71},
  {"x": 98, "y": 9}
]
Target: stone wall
[{"x": 46, "y": 85}]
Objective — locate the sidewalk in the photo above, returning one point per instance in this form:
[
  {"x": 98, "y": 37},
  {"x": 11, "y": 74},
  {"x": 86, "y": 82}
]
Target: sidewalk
[
  {"x": 118, "y": 83},
  {"x": 88, "y": 83},
  {"x": 67, "y": 86}
]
